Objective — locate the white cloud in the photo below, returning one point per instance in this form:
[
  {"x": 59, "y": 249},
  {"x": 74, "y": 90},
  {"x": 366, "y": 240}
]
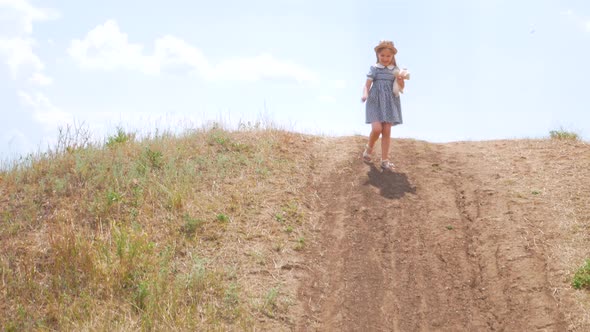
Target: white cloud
[
  {"x": 172, "y": 51},
  {"x": 44, "y": 111},
  {"x": 18, "y": 52},
  {"x": 24, "y": 14},
  {"x": 107, "y": 48},
  {"x": 16, "y": 43}
]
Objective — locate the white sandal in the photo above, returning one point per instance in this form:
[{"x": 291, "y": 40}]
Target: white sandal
[{"x": 387, "y": 165}]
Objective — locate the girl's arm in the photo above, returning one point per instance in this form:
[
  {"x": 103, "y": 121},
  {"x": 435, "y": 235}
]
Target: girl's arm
[{"x": 366, "y": 89}]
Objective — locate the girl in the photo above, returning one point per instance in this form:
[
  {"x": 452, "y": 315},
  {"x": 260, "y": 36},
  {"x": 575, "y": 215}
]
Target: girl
[{"x": 383, "y": 108}]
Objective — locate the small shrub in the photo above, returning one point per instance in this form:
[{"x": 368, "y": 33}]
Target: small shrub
[
  {"x": 220, "y": 138},
  {"x": 155, "y": 159},
  {"x": 582, "y": 277},
  {"x": 562, "y": 134},
  {"x": 120, "y": 138}
]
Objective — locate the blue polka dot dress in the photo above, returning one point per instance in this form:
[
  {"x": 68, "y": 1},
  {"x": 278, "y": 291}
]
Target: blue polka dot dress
[{"x": 382, "y": 105}]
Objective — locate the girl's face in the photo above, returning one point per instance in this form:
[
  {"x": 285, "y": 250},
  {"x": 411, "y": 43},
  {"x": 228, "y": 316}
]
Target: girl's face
[{"x": 385, "y": 57}]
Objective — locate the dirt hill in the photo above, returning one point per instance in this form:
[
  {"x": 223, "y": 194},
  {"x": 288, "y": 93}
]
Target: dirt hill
[
  {"x": 271, "y": 230},
  {"x": 470, "y": 236}
]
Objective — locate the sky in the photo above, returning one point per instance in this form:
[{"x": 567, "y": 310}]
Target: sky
[{"x": 480, "y": 69}]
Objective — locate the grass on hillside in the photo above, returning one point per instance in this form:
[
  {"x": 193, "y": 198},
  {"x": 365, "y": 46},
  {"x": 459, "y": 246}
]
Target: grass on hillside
[
  {"x": 563, "y": 134},
  {"x": 188, "y": 232},
  {"x": 581, "y": 278}
]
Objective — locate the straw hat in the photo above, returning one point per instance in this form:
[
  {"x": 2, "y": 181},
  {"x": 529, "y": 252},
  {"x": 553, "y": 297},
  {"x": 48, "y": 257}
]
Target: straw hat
[{"x": 385, "y": 44}]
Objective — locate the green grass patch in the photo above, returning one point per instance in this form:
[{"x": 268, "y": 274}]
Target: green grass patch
[
  {"x": 121, "y": 137},
  {"x": 562, "y": 134},
  {"x": 581, "y": 278}
]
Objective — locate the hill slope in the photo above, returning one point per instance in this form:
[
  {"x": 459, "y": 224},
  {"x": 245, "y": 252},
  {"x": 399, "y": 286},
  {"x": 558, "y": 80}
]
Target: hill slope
[
  {"x": 273, "y": 230},
  {"x": 473, "y": 236}
]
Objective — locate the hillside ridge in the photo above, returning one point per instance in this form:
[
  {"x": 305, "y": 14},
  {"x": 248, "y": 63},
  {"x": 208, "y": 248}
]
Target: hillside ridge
[{"x": 275, "y": 230}]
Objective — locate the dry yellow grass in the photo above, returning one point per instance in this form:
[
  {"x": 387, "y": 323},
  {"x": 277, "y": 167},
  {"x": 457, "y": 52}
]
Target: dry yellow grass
[{"x": 167, "y": 233}]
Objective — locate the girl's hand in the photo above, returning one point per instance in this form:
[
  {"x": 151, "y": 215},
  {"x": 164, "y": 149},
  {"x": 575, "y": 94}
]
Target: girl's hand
[{"x": 364, "y": 98}]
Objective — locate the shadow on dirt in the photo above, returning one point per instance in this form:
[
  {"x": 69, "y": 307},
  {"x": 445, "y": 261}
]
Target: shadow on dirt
[{"x": 392, "y": 185}]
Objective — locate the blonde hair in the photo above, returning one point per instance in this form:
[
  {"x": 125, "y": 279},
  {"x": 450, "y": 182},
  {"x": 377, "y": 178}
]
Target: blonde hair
[{"x": 386, "y": 45}]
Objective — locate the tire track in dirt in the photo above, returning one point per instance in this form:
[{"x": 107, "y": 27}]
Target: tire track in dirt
[
  {"x": 418, "y": 249},
  {"x": 513, "y": 272}
]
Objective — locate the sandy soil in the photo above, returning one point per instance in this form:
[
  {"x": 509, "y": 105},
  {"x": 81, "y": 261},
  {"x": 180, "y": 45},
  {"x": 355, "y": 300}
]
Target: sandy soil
[{"x": 453, "y": 240}]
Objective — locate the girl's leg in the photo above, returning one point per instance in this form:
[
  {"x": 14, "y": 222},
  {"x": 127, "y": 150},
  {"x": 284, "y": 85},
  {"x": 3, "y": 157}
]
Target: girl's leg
[
  {"x": 385, "y": 140},
  {"x": 376, "y": 130}
]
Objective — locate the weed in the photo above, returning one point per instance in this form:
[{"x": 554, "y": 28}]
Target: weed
[
  {"x": 247, "y": 126},
  {"x": 121, "y": 137},
  {"x": 279, "y": 217},
  {"x": 175, "y": 201},
  {"x": 196, "y": 279},
  {"x": 300, "y": 244},
  {"x": 231, "y": 295},
  {"x": 450, "y": 228},
  {"x": 259, "y": 257},
  {"x": 270, "y": 302},
  {"x": 60, "y": 185},
  {"x": 113, "y": 197},
  {"x": 292, "y": 213},
  {"x": 219, "y": 137},
  {"x": 535, "y": 192},
  {"x": 140, "y": 295},
  {"x": 155, "y": 159},
  {"x": 190, "y": 225},
  {"x": 271, "y": 297},
  {"x": 136, "y": 197},
  {"x": 563, "y": 134},
  {"x": 222, "y": 218},
  {"x": 72, "y": 137},
  {"x": 279, "y": 246},
  {"x": 582, "y": 276}
]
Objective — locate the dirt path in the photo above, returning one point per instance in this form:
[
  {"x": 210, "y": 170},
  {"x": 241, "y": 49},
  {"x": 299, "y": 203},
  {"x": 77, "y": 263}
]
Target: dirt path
[{"x": 439, "y": 245}]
